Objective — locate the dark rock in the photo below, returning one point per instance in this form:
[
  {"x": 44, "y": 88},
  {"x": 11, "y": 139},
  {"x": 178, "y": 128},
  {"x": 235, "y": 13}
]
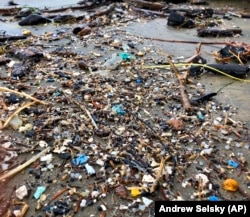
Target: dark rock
[
  {"x": 34, "y": 19},
  {"x": 177, "y": 20},
  {"x": 61, "y": 208},
  {"x": 12, "y": 3},
  {"x": 64, "y": 18},
  {"x": 24, "y": 12},
  {"x": 30, "y": 134},
  {"x": 32, "y": 53},
  {"x": 13, "y": 99},
  {"x": 239, "y": 71},
  {"x": 19, "y": 70}
]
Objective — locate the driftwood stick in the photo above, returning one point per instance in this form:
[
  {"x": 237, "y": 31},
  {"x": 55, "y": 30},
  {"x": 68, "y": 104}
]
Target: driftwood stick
[
  {"x": 4, "y": 89},
  {"x": 159, "y": 174},
  {"x": 12, "y": 38},
  {"x": 177, "y": 41},
  {"x": 218, "y": 32},
  {"x": 145, "y": 11},
  {"x": 9, "y": 11},
  {"x": 107, "y": 10},
  {"x": 184, "y": 97},
  {"x": 56, "y": 10},
  {"x": 149, "y": 5},
  {"x": 10, "y": 173},
  {"x": 24, "y": 209}
]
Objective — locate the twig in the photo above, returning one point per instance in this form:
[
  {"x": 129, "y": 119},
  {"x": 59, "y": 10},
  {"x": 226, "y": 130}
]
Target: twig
[
  {"x": 4, "y": 89},
  {"x": 21, "y": 167},
  {"x": 24, "y": 208},
  {"x": 159, "y": 174},
  {"x": 58, "y": 194},
  {"x": 16, "y": 112},
  {"x": 88, "y": 113},
  {"x": 184, "y": 97}
]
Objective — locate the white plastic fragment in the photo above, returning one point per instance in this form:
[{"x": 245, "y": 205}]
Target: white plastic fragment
[
  {"x": 90, "y": 169},
  {"x": 11, "y": 154},
  {"x": 178, "y": 198},
  {"x": 202, "y": 179},
  {"x": 17, "y": 212},
  {"x": 100, "y": 162},
  {"x": 43, "y": 144},
  {"x": 4, "y": 166},
  {"x": 148, "y": 179},
  {"x": 16, "y": 122},
  {"x": 142, "y": 207},
  {"x": 21, "y": 192},
  {"x": 95, "y": 194},
  {"x": 146, "y": 201},
  {"x": 185, "y": 183},
  {"x": 50, "y": 166},
  {"x": 83, "y": 203},
  {"x": 123, "y": 207},
  {"x": 103, "y": 207},
  {"x": 6, "y": 144},
  {"x": 47, "y": 158},
  {"x": 206, "y": 151},
  {"x": 11, "y": 63}
]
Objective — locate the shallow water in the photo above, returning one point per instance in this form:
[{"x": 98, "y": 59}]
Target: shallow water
[
  {"x": 41, "y": 4},
  {"x": 63, "y": 3}
]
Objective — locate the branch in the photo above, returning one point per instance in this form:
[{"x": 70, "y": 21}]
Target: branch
[
  {"x": 4, "y": 89},
  {"x": 21, "y": 167},
  {"x": 184, "y": 97}
]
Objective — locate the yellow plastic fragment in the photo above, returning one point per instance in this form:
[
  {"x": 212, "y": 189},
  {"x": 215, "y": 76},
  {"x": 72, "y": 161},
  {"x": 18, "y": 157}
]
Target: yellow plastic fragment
[
  {"x": 135, "y": 191},
  {"x": 230, "y": 185}
]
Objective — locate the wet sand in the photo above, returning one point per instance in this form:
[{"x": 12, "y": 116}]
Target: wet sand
[{"x": 236, "y": 95}]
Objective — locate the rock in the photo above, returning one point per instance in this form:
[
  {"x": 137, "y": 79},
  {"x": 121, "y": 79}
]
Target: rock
[
  {"x": 64, "y": 18},
  {"x": 34, "y": 19},
  {"x": 24, "y": 12},
  {"x": 19, "y": 70},
  {"x": 32, "y": 53}
]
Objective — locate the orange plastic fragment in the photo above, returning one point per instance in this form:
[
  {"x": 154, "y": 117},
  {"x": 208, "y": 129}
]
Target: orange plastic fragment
[{"x": 230, "y": 185}]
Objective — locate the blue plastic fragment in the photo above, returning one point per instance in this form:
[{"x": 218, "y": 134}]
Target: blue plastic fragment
[
  {"x": 80, "y": 160},
  {"x": 213, "y": 198},
  {"x": 127, "y": 56},
  {"x": 39, "y": 191},
  {"x": 200, "y": 116},
  {"x": 232, "y": 163},
  {"x": 118, "y": 110},
  {"x": 138, "y": 81}
]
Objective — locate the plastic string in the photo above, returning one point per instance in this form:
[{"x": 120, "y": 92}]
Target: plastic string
[{"x": 197, "y": 64}]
